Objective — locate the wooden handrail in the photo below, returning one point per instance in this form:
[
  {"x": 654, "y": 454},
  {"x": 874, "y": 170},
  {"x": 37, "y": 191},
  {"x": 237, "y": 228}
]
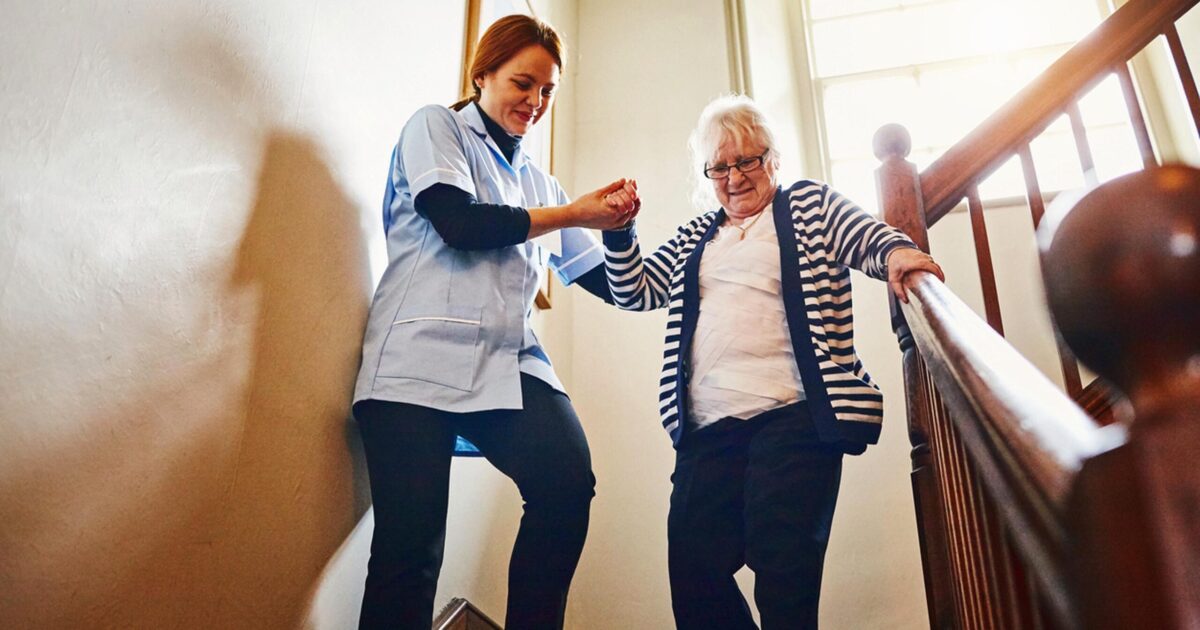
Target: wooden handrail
[
  {"x": 1100, "y": 516},
  {"x": 1049, "y": 434},
  {"x": 1027, "y": 439},
  {"x": 1119, "y": 38},
  {"x": 1030, "y": 512}
]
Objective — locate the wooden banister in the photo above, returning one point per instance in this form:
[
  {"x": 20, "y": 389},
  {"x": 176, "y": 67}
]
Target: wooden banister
[
  {"x": 1048, "y": 435},
  {"x": 1025, "y": 437},
  {"x": 1032, "y": 510},
  {"x": 1119, "y": 38},
  {"x": 1104, "y": 518}
]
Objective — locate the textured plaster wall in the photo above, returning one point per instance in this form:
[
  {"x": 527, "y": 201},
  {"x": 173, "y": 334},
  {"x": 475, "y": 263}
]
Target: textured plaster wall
[{"x": 188, "y": 218}]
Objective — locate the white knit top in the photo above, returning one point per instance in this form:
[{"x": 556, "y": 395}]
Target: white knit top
[{"x": 742, "y": 360}]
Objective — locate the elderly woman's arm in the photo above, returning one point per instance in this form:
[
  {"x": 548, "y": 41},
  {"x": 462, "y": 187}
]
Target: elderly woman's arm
[
  {"x": 861, "y": 241},
  {"x": 637, "y": 283}
]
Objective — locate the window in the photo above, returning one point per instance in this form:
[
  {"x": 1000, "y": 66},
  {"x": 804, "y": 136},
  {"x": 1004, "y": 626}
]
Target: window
[{"x": 939, "y": 67}]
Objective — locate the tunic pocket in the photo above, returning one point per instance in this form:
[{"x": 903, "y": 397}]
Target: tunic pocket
[{"x": 438, "y": 348}]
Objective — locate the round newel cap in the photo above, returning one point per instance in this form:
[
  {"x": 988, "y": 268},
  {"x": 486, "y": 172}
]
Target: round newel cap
[
  {"x": 1122, "y": 274},
  {"x": 892, "y": 140}
]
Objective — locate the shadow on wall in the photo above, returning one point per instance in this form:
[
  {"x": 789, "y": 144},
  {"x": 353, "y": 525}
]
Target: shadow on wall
[
  {"x": 204, "y": 476},
  {"x": 213, "y": 515},
  {"x": 290, "y": 497}
]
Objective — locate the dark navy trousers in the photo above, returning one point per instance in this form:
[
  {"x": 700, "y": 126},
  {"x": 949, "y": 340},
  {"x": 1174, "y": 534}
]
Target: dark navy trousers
[
  {"x": 408, "y": 448},
  {"x": 758, "y": 493}
]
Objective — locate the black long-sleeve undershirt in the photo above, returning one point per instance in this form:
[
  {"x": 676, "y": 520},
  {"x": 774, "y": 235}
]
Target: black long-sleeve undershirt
[
  {"x": 595, "y": 281},
  {"x": 466, "y": 224}
]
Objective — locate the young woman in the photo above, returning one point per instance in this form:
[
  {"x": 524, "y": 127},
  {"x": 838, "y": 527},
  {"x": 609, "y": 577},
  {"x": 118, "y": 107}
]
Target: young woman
[{"x": 449, "y": 351}]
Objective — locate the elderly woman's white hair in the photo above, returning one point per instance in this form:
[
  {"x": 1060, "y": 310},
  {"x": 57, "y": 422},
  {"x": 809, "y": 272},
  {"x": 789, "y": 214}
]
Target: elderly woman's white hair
[{"x": 730, "y": 116}]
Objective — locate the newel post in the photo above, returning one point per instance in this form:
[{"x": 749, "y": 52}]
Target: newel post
[
  {"x": 901, "y": 204},
  {"x": 1122, "y": 275}
]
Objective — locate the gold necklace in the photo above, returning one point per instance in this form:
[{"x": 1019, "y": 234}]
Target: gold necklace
[{"x": 742, "y": 229}]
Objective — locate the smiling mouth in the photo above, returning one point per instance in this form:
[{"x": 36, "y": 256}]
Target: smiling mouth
[{"x": 523, "y": 116}]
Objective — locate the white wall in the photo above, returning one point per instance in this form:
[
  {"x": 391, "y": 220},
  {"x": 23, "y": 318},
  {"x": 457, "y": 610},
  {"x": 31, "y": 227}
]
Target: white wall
[
  {"x": 190, "y": 196},
  {"x": 645, "y": 70}
]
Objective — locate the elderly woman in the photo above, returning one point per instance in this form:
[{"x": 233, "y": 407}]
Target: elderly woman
[{"x": 761, "y": 390}]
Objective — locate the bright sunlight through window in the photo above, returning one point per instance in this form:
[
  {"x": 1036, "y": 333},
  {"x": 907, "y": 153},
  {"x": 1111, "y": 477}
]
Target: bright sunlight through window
[{"x": 939, "y": 67}]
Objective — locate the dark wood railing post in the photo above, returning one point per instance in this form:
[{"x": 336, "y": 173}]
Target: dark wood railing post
[
  {"x": 900, "y": 202},
  {"x": 1124, "y": 288}
]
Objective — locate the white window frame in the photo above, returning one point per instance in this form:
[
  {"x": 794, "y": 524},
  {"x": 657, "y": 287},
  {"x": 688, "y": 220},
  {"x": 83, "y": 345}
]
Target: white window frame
[{"x": 809, "y": 112}]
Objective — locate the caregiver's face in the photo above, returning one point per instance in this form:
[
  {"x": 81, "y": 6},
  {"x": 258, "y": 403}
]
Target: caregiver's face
[
  {"x": 521, "y": 90},
  {"x": 744, "y": 179}
]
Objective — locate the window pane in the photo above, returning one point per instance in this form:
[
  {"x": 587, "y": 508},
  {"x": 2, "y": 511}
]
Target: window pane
[
  {"x": 937, "y": 106},
  {"x": 854, "y": 110},
  {"x": 1116, "y": 151},
  {"x": 856, "y": 180},
  {"x": 945, "y": 30},
  {"x": 1006, "y": 181},
  {"x": 825, "y": 9},
  {"x": 1056, "y": 159},
  {"x": 828, "y": 9},
  {"x": 1105, "y": 104},
  {"x": 940, "y": 67},
  {"x": 956, "y": 99}
]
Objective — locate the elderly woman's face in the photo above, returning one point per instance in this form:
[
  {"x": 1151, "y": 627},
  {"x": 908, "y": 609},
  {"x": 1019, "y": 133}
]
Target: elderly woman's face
[{"x": 744, "y": 194}]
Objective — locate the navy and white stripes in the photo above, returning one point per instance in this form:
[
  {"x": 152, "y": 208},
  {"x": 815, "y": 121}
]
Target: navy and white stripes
[{"x": 821, "y": 236}]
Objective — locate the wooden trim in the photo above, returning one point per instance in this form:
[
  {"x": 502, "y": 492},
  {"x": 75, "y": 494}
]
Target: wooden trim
[
  {"x": 1101, "y": 401},
  {"x": 542, "y": 299},
  {"x": 461, "y": 614},
  {"x": 739, "y": 54},
  {"x": 1184, "y": 71},
  {"x": 470, "y": 39},
  {"x": 1048, "y": 435},
  {"x": 1037, "y": 209},
  {"x": 1024, "y": 116},
  {"x": 1137, "y": 116},
  {"x": 1087, "y": 164},
  {"x": 1025, "y": 438},
  {"x": 983, "y": 260},
  {"x": 811, "y": 104}
]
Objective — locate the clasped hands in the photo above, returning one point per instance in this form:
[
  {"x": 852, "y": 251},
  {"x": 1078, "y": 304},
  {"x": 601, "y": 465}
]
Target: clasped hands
[{"x": 608, "y": 208}]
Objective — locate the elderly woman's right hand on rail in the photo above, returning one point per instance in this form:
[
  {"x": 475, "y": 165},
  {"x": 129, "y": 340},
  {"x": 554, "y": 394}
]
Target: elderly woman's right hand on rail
[{"x": 905, "y": 259}]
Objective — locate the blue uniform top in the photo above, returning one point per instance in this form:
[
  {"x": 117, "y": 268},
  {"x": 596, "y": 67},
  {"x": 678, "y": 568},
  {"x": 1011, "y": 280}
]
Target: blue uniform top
[{"x": 448, "y": 328}]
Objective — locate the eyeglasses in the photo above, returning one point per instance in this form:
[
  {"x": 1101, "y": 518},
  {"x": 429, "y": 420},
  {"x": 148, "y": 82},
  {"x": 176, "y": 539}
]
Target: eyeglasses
[{"x": 744, "y": 165}]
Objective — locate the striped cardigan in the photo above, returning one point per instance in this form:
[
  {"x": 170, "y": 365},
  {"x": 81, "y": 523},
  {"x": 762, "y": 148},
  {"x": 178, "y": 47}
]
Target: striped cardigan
[{"x": 821, "y": 235}]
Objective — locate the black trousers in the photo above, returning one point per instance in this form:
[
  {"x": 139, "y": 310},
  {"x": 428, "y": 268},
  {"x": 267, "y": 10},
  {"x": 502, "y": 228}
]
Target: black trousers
[
  {"x": 759, "y": 493},
  {"x": 408, "y": 448}
]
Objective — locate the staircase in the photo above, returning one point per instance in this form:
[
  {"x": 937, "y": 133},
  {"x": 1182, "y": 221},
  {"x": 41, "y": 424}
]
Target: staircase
[
  {"x": 461, "y": 614},
  {"x": 1035, "y": 507}
]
